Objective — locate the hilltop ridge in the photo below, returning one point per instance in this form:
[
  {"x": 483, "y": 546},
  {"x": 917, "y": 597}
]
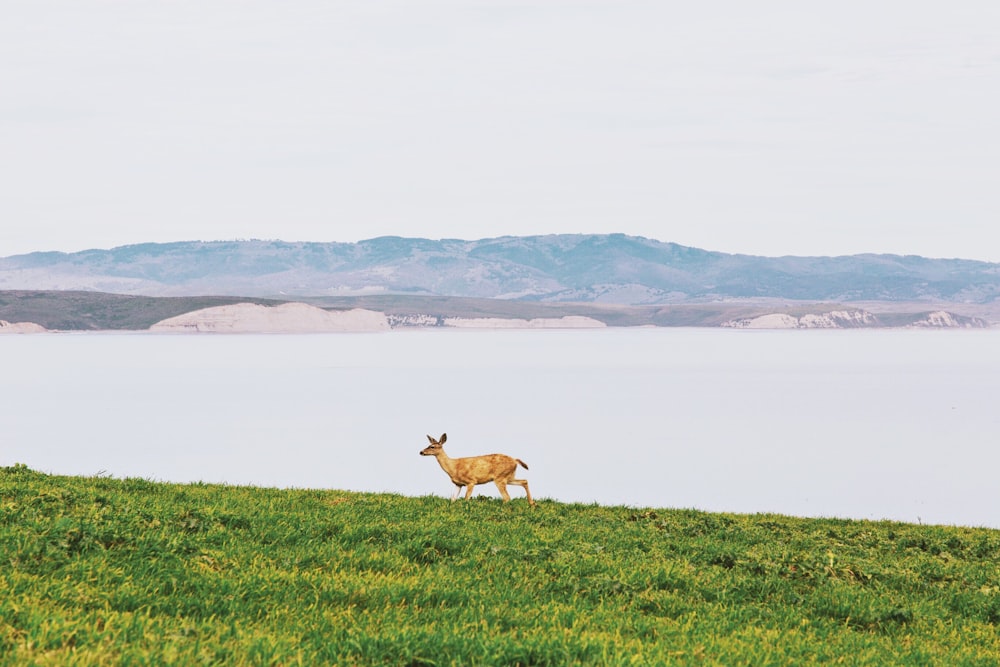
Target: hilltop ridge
[{"x": 582, "y": 268}]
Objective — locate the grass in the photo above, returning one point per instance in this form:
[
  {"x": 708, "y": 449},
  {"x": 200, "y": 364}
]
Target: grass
[{"x": 102, "y": 571}]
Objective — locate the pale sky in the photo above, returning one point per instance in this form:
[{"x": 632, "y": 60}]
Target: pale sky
[{"x": 770, "y": 128}]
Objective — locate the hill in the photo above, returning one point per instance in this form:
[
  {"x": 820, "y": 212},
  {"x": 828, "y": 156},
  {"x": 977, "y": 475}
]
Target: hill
[
  {"x": 609, "y": 268},
  {"x": 101, "y": 571},
  {"x": 91, "y": 311}
]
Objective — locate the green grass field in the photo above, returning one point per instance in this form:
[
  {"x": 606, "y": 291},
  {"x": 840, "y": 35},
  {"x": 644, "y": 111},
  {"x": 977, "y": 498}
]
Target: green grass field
[{"x": 102, "y": 571}]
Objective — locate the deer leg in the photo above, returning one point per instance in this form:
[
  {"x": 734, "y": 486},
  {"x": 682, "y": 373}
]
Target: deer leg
[
  {"x": 524, "y": 483},
  {"x": 502, "y": 485},
  {"x": 454, "y": 496},
  {"x": 468, "y": 491}
]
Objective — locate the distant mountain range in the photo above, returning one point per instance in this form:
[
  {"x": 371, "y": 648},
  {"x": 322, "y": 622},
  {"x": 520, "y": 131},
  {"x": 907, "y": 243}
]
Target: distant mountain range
[{"x": 610, "y": 269}]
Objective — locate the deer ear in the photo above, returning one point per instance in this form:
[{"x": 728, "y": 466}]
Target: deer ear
[
  {"x": 444, "y": 436},
  {"x": 431, "y": 439}
]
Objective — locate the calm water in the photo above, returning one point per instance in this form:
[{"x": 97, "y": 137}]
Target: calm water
[{"x": 865, "y": 424}]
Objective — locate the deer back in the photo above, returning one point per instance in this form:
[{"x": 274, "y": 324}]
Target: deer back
[{"x": 481, "y": 469}]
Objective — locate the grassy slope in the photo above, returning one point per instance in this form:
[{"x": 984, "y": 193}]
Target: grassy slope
[{"x": 105, "y": 571}]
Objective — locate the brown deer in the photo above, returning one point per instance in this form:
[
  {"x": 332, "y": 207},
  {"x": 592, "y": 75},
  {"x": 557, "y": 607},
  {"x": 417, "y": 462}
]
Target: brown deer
[{"x": 473, "y": 470}]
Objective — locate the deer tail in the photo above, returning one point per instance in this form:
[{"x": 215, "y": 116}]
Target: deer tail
[{"x": 523, "y": 464}]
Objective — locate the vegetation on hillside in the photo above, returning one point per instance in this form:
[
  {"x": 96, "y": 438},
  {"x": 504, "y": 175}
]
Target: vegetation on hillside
[
  {"x": 605, "y": 268},
  {"x": 91, "y": 311},
  {"x": 102, "y": 571}
]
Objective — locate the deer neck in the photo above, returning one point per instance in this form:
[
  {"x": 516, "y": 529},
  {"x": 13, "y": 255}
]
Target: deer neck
[{"x": 447, "y": 463}]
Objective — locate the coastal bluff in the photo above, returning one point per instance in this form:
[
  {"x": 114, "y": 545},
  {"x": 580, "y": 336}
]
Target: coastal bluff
[{"x": 284, "y": 318}]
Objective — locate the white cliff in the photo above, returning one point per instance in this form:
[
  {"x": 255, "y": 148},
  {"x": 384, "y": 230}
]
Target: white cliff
[
  {"x": 940, "y": 319},
  {"x": 568, "y": 322},
  {"x": 285, "y": 318},
  {"x": 835, "y": 319},
  {"x": 20, "y": 327}
]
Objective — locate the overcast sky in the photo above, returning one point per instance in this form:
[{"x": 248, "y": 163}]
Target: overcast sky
[{"x": 769, "y": 128}]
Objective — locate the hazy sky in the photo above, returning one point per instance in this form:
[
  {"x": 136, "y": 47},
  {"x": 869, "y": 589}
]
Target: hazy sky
[{"x": 766, "y": 128}]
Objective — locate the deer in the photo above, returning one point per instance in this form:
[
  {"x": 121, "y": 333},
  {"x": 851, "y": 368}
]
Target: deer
[{"x": 473, "y": 470}]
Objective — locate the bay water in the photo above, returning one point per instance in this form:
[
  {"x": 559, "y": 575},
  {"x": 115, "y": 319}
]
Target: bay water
[{"x": 894, "y": 424}]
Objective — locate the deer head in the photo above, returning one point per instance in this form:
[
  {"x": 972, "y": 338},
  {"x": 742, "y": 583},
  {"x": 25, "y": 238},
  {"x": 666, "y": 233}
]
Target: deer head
[{"x": 436, "y": 446}]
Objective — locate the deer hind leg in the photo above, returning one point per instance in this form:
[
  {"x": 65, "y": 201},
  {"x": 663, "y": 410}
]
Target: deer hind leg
[
  {"x": 524, "y": 483},
  {"x": 502, "y": 485}
]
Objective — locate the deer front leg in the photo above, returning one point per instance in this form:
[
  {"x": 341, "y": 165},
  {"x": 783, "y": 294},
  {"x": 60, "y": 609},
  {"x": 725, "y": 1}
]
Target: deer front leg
[
  {"x": 468, "y": 491},
  {"x": 454, "y": 496}
]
